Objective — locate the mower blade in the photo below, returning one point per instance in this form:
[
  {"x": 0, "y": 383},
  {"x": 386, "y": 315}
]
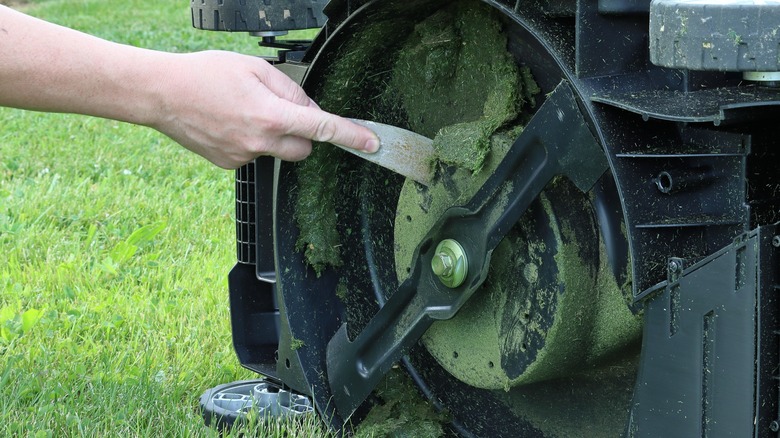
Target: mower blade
[
  {"x": 404, "y": 152},
  {"x": 557, "y": 141}
]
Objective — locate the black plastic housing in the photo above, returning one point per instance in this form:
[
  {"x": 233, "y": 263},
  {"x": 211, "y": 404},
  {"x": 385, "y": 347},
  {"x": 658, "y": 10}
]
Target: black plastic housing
[{"x": 710, "y": 355}]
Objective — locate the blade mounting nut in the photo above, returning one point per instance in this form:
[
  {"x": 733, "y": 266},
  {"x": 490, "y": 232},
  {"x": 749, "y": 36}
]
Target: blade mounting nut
[{"x": 449, "y": 263}]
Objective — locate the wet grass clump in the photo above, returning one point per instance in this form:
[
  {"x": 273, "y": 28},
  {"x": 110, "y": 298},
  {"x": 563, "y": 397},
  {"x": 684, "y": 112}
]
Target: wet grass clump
[
  {"x": 346, "y": 90},
  {"x": 315, "y": 209},
  {"x": 401, "y": 412},
  {"x": 458, "y": 84}
]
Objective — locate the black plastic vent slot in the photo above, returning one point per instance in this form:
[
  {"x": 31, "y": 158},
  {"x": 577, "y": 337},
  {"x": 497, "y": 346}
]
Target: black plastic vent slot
[{"x": 245, "y": 214}]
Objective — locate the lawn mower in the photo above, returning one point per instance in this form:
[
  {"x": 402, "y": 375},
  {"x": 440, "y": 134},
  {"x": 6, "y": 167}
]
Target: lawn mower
[{"x": 595, "y": 255}]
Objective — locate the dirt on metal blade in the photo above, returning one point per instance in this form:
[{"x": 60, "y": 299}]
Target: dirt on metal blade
[{"x": 402, "y": 151}]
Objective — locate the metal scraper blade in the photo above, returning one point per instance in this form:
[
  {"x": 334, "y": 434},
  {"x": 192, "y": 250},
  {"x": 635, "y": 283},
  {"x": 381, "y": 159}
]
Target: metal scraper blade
[{"x": 404, "y": 152}]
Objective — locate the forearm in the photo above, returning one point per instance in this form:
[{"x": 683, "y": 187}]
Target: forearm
[
  {"x": 229, "y": 108},
  {"x": 47, "y": 67}
]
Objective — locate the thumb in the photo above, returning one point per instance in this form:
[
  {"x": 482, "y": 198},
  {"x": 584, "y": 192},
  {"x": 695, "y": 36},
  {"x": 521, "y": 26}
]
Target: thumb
[{"x": 316, "y": 124}]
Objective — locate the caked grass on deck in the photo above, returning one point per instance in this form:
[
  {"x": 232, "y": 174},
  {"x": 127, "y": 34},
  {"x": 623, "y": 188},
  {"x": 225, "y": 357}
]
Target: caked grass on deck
[{"x": 115, "y": 244}]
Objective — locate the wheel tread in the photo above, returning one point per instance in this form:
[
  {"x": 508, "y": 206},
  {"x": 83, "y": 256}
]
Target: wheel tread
[{"x": 257, "y": 15}]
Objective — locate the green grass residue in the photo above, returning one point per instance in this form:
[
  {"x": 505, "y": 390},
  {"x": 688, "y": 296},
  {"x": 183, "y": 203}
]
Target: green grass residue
[
  {"x": 402, "y": 413},
  {"x": 343, "y": 91},
  {"x": 458, "y": 84},
  {"x": 315, "y": 208}
]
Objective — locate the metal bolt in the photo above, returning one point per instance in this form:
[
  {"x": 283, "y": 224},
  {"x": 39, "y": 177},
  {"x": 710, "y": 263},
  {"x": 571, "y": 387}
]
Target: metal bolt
[
  {"x": 442, "y": 264},
  {"x": 449, "y": 263},
  {"x": 776, "y": 241},
  {"x": 674, "y": 266},
  {"x": 774, "y": 426}
]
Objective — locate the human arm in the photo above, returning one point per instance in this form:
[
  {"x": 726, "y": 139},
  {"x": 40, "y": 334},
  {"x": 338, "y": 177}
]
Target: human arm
[{"x": 229, "y": 108}]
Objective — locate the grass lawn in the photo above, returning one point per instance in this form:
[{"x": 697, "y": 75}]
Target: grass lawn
[{"x": 115, "y": 245}]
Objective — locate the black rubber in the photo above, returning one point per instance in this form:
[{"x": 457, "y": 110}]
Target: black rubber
[
  {"x": 257, "y": 15},
  {"x": 735, "y": 35}
]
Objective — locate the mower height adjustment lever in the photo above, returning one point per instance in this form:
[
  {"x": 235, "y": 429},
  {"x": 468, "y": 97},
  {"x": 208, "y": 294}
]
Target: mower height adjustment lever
[{"x": 556, "y": 141}]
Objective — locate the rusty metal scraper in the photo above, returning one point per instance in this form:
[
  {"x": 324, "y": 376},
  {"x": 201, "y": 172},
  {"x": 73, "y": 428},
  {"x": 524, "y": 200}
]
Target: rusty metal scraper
[{"x": 404, "y": 152}]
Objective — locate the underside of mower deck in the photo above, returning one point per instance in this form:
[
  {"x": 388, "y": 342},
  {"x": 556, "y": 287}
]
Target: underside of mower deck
[{"x": 608, "y": 169}]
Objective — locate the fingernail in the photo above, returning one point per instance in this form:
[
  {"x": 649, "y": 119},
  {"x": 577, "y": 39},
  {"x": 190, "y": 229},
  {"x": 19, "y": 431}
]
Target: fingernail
[{"x": 371, "y": 146}]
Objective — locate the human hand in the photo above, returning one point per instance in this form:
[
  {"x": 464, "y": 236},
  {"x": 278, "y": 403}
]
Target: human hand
[
  {"x": 227, "y": 107},
  {"x": 232, "y": 108}
]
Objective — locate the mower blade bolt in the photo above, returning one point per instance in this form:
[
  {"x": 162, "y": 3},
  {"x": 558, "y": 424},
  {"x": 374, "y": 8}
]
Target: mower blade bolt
[
  {"x": 776, "y": 241},
  {"x": 442, "y": 264},
  {"x": 449, "y": 263}
]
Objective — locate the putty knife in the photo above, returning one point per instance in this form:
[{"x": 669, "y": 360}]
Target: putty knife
[{"x": 404, "y": 152}]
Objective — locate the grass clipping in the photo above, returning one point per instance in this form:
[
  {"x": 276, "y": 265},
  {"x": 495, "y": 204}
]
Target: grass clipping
[
  {"x": 315, "y": 209},
  {"x": 402, "y": 412},
  {"x": 458, "y": 84},
  {"x": 354, "y": 75},
  {"x": 452, "y": 80}
]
